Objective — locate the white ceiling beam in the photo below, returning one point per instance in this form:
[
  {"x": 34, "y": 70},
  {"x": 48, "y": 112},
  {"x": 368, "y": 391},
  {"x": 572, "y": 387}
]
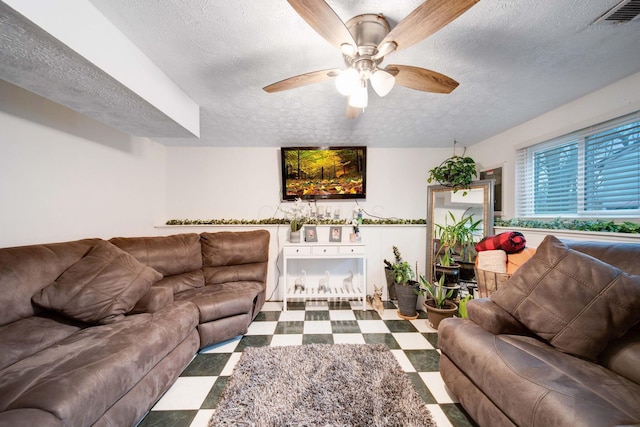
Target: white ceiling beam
[{"x": 84, "y": 30}]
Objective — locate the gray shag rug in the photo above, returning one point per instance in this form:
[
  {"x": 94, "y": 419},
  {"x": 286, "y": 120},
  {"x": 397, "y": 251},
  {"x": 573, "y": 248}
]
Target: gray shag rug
[{"x": 320, "y": 385}]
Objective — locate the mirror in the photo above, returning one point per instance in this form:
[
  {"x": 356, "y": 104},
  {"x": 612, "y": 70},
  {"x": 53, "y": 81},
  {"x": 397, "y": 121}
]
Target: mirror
[{"x": 442, "y": 202}]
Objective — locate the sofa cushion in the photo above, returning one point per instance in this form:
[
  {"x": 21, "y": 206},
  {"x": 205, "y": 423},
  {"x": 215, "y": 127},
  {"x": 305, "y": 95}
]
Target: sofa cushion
[
  {"x": 25, "y": 270},
  {"x": 574, "y": 301},
  {"x": 234, "y": 248},
  {"x": 32, "y": 334},
  {"x": 155, "y": 298},
  {"x": 99, "y": 288},
  {"x": 622, "y": 356},
  {"x": 182, "y": 282},
  {"x": 256, "y": 272},
  {"x": 81, "y": 377},
  {"x": 623, "y": 255},
  {"x": 492, "y": 318},
  {"x": 169, "y": 255},
  {"x": 223, "y": 300}
]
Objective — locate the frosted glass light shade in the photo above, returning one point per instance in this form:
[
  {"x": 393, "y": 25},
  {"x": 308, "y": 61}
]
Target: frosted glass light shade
[
  {"x": 382, "y": 82},
  {"x": 360, "y": 97},
  {"x": 347, "y": 81}
]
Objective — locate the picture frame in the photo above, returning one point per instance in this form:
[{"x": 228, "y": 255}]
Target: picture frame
[
  {"x": 335, "y": 234},
  {"x": 310, "y": 234},
  {"x": 319, "y": 173},
  {"x": 496, "y": 175}
]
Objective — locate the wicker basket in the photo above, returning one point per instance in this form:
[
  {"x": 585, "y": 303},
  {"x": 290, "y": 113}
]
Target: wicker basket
[{"x": 489, "y": 281}]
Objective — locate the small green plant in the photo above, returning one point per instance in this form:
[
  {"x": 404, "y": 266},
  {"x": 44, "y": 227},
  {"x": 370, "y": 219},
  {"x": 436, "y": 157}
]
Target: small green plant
[
  {"x": 402, "y": 271},
  {"x": 462, "y": 307},
  {"x": 296, "y": 215},
  {"x": 468, "y": 238},
  {"x": 457, "y": 172},
  {"x": 435, "y": 292},
  {"x": 458, "y": 233}
]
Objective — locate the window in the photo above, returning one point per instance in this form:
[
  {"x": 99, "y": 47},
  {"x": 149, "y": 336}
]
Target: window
[{"x": 591, "y": 173}]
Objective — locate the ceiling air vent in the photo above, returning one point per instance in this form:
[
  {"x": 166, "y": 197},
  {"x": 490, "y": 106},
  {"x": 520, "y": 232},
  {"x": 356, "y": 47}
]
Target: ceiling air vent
[{"x": 625, "y": 11}]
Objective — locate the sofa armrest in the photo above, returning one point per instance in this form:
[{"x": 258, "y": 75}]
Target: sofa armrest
[
  {"x": 155, "y": 298},
  {"x": 492, "y": 318}
]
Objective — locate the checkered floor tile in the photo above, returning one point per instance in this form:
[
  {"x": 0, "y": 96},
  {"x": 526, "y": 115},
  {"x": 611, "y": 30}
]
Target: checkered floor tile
[{"x": 190, "y": 402}]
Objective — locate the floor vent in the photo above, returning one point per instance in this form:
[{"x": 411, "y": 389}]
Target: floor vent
[{"x": 625, "y": 11}]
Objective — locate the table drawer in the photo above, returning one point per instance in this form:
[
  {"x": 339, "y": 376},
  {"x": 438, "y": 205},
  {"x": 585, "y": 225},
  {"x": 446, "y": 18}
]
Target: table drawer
[
  {"x": 351, "y": 249},
  {"x": 324, "y": 250},
  {"x": 297, "y": 250}
]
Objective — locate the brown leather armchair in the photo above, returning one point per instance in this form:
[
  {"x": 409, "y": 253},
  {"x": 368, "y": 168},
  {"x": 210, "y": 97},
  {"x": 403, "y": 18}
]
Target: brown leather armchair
[{"x": 506, "y": 374}]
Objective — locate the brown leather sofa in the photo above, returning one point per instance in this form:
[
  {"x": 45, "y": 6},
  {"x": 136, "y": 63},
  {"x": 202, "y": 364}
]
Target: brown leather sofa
[
  {"x": 224, "y": 274},
  {"x": 93, "y": 332},
  {"x": 557, "y": 345}
]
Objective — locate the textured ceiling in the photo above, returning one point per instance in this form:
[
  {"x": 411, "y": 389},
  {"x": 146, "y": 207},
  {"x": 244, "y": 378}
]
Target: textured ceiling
[{"x": 514, "y": 60}]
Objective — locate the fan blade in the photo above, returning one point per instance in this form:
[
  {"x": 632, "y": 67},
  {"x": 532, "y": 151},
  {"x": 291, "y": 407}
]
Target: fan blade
[
  {"x": 324, "y": 20},
  {"x": 421, "y": 79},
  {"x": 353, "y": 112},
  {"x": 302, "y": 80},
  {"x": 425, "y": 20}
]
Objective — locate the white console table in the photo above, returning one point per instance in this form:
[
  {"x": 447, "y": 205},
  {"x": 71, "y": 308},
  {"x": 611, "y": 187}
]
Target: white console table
[{"x": 324, "y": 271}]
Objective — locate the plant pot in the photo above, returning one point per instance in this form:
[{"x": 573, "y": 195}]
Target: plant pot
[
  {"x": 451, "y": 273},
  {"x": 472, "y": 289},
  {"x": 435, "y": 315},
  {"x": 407, "y": 300},
  {"x": 391, "y": 283},
  {"x": 455, "y": 291},
  {"x": 294, "y": 236},
  {"x": 467, "y": 271}
]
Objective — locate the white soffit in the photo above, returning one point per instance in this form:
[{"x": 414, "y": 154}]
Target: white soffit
[{"x": 68, "y": 52}]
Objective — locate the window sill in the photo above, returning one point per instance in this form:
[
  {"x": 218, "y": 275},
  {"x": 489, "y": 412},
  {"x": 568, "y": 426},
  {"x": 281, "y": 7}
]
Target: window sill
[{"x": 535, "y": 236}]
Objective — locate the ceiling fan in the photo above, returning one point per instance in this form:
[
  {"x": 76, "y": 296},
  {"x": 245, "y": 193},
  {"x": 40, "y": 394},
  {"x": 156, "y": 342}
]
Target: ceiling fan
[{"x": 365, "y": 40}]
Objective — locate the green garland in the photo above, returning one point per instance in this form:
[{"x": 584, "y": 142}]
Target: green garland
[
  {"x": 283, "y": 221},
  {"x": 556, "y": 224},
  {"x": 571, "y": 224}
]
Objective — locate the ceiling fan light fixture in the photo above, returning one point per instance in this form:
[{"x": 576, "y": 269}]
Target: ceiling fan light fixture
[
  {"x": 360, "y": 97},
  {"x": 364, "y": 42},
  {"x": 382, "y": 82},
  {"x": 347, "y": 81}
]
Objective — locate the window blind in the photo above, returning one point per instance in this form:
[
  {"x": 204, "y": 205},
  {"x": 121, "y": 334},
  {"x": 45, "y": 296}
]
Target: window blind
[{"x": 593, "y": 172}]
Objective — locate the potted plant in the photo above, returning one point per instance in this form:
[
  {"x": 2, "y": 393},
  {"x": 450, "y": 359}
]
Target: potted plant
[
  {"x": 297, "y": 218},
  {"x": 467, "y": 244},
  {"x": 449, "y": 236},
  {"x": 406, "y": 288},
  {"x": 389, "y": 274},
  {"x": 438, "y": 303},
  {"x": 457, "y": 172}
]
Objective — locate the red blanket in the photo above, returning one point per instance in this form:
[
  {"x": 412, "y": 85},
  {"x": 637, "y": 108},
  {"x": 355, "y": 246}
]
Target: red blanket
[{"x": 509, "y": 241}]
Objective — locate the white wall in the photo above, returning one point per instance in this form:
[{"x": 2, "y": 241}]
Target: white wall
[
  {"x": 64, "y": 176},
  {"x": 209, "y": 182},
  {"x": 227, "y": 182},
  {"x": 244, "y": 183},
  {"x": 618, "y": 99}
]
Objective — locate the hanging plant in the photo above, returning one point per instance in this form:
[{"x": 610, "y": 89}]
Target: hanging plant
[{"x": 457, "y": 172}]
